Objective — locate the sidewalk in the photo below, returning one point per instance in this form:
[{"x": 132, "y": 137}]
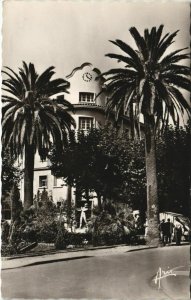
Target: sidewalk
[
  {"x": 18, "y": 262},
  {"x": 64, "y": 255}
]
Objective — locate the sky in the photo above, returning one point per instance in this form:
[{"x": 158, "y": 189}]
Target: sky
[{"x": 67, "y": 33}]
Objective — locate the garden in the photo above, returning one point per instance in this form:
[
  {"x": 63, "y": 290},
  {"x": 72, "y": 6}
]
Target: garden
[
  {"x": 44, "y": 229},
  {"x": 145, "y": 167}
]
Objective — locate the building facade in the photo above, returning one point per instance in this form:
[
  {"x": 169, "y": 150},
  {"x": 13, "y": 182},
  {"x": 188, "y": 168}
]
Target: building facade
[{"x": 89, "y": 111}]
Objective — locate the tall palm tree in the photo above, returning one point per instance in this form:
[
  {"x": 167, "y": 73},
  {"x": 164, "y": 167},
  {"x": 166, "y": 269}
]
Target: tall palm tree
[
  {"x": 33, "y": 117},
  {"x": 149, "y": 83}
]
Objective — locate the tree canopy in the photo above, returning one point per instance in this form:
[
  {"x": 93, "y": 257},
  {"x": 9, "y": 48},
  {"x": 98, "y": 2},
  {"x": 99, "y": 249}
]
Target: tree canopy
[
  {"x": 151, "y": 80},
  {"x": 149, "y": 83},
  {"x": 31, "y": 115},
  {"x": 34, "y": 115}
]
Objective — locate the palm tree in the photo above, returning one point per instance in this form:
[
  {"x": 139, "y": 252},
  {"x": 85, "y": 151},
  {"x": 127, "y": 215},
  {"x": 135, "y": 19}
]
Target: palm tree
[
  {"x": 148, "y": 84},
  {"x": 32, "y": 118}
]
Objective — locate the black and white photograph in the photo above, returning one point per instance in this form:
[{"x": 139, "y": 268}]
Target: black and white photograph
[{"x": 96, "y": 150}]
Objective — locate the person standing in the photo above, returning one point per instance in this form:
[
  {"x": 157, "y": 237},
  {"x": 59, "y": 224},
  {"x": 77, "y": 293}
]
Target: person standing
[
  {"x": 169, "y": 230},
  {"x": 162, "y": 230},
  {"x": 178, "y": 233}
]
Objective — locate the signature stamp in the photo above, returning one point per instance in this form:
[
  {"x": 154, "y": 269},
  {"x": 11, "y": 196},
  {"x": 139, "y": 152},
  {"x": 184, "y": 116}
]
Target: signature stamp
[{"x": 161, "y": 274}]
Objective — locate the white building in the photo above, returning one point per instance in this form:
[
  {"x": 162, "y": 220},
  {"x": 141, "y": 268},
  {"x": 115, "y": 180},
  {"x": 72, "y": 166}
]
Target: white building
[{"x": 88, "y": 112}]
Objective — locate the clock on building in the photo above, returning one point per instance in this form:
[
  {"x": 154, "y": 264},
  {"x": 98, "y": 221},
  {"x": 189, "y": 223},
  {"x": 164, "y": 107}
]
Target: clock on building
[{"x": 87, "y": 76}]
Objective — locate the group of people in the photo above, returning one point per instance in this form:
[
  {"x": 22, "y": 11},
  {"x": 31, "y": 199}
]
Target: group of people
[{"x": 168, "y": 229}]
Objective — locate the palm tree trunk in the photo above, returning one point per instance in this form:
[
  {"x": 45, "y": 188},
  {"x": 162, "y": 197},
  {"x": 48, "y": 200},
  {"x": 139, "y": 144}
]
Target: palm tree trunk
[
  {"x": 151, "y": 175},
  {"x": 15, "y": 197},
  {"x": 28, "y": 176},
  {"x": 99, "y": 201},
  {"x": 87, "y": 195},
  {"x": 69, "y": 204}
]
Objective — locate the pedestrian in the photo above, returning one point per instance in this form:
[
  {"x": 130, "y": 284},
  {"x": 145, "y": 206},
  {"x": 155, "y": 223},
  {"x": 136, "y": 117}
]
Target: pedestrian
[
  {"x": 178, "y": 233},
  {"x": 168, "y": 231},
  {"x": 162, "y": 229}
]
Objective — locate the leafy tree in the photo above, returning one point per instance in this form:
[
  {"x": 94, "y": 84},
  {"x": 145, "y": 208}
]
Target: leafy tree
[
  {"x": 16, "y": 208},
  {"x": 148, "y": 84},
  {"x": 16, "y": 204},
  {"x": 129, "y": 156},
  {"x": 136, "y": 176},
  {"x": 10, "y": 173},
  {"x": 173, "y": 170},
  {"x": 10, "y": 177},
  {"x": 32, "y": 118},
  {"x": 105, "y": 161},
  {"x": 86, "y": 164}
]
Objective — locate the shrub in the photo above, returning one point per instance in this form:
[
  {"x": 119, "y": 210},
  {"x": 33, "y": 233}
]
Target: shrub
[
  {"x": 46, "y": 224},
  {"x": 11, "y": 244},
  {"x": 29, "y": 233},
  {"x": 60, "y": 242},
  {"x": 106, "y": 230},
  {"x": 77, "y": 239},
  {"x": 46, "y": 232},
  {"x": 65, "y": 238},
  {"x": 111, "y": 234},
  {"x": 5, "y": 227},
  {"x": 8, "y": 250},
  {"x": 110, "y": 229}
]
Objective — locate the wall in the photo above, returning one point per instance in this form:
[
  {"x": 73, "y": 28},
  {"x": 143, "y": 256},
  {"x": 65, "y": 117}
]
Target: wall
[{"x": 78, "y": 83}]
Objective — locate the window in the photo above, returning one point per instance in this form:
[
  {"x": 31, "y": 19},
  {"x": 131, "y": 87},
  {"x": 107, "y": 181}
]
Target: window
[
  {"x": 86, "y": 97},
  {"x": 58, "y": 182},
  {"x": 43, "y": 181},
  {"x": 85, "y": 123}
]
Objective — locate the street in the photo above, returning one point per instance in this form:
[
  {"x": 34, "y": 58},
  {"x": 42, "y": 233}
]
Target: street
[{"x": 105, "y": 275}]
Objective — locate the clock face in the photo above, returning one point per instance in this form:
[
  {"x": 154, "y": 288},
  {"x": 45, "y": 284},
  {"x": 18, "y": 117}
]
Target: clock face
[{"x": 87, "y": 76}]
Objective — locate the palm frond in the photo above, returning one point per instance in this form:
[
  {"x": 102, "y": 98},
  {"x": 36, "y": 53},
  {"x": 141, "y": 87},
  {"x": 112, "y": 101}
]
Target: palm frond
[
  {"x": 140, "y": 42},
  {"x": 15, "y": 81},
  {"x": 14, "y": 73},
  {"x": 180, "y": 99},
  {"x": 158, "y": 35},
  {"x": 176, "y": 69},
  {"x": 25, "y": 80},
  {"x": 45, "y": 77},
  {"x": 32, "y": 75},
  {"x": 126, "y": 72},
  {"x": 128, "y": 50},
  {"x": 128, "y": 99},
  {"x": 179, "y": 81},
  {"x": 12, "y": 88},
  {"x": 125, "y": 59},
  {"x": 25, "y": 69},
  {"x": 165, "y": 44},
  {"x": 9, "y": 111},
  {"x": 172, "y": 57}
]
